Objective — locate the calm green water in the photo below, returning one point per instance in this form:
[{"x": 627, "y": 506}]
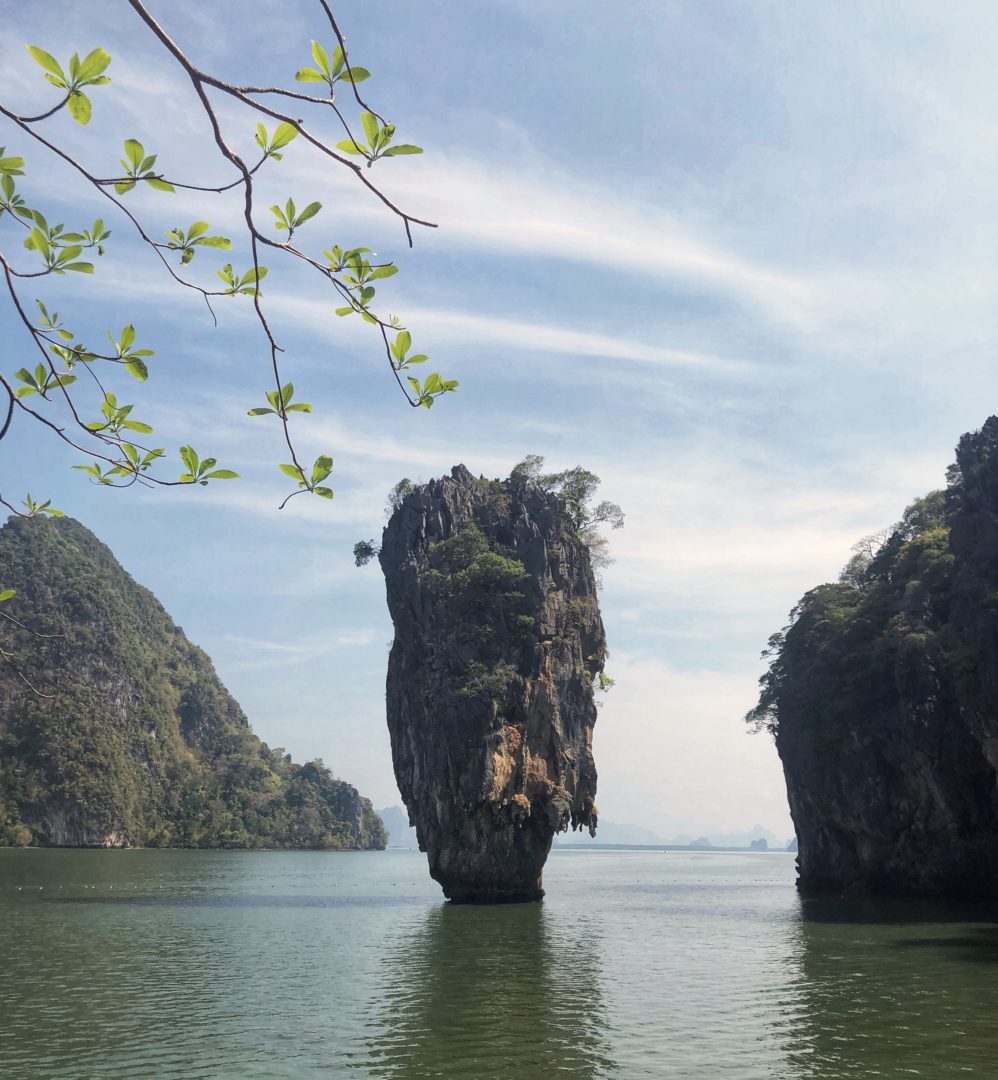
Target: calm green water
[{"x": 638, "y": 964}]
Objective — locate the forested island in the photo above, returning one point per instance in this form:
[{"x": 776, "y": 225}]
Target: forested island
[
  {"x": 116, "y": 731},
  {"x": 882, "y": 695}
]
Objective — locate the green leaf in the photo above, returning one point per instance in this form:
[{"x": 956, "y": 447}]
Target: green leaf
[
  {"x": 348, "y": 146},
  {"x": 79, "y": 107},
  {"x": 125, "y": 185},
  {"x": 6, "y": 594},
  {"x": 221, "y": 242},
  {"x": 135, "y": 425},
  {"x": 254, "y": 274},
  {"x": 357, "y": 74},
  {"x": 402, "y": 148},
  {"x": 46, "y": 60},
  {"x": 341, "y": 311},
  {"x": 189, "y": 458},
  {"x": 260, "y": 412},
  {"x": 371, "y": 127},
  {"x": 39, "y": 241},
  {"x": 323, "y": 492},
  {"x": 403, "y": 343},
  {"x": 321, "y": 57},
  {"x": 309, "y": 212},
  {"x": 159, "y": 185},
  {"x": 135, "y": 152},
  {"x": 95, "y": 63},
  {"x": 80, "y": 267},
  {"x": 322, "y": 468},
  {"x": 293, "y": 471},
  {"x": 197, "y": 229},
  {"x": 138, "y": 369},
  {"x": 383, "y": 272},
  {"x": 300, "y": 406},
  {"x": 283, "y": 135},
  {"x": 308, "y": 74},
  {"x": 419, "y": 358},
  {"x": 222, "y": 474}
]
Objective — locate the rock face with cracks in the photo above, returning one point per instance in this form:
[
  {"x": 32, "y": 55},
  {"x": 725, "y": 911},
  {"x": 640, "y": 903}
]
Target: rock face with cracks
[
  {"x": 883, "y": 697},
  {"x": 498, "y": 640}
]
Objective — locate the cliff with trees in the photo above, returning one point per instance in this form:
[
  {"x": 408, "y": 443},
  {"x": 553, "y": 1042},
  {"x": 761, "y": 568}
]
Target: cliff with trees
[
  {"x": 882, "y": 695},
  {"x": 116, "y": 731}
]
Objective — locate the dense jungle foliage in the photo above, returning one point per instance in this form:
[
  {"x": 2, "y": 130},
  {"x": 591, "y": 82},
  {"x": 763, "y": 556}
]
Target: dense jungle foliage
[
  {"x": 912, "y": 624},
  {"x": 126, "y": 735}
]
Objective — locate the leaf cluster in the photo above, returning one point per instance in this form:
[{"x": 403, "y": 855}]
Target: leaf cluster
[
  {"x": 82, "y": 73},
  {"x": 379, "y": 141}
]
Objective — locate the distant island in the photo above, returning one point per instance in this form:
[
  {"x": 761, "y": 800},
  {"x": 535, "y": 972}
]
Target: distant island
[
  {"x": 125, "y": 735},
  {"x": 617, "y": 835}
]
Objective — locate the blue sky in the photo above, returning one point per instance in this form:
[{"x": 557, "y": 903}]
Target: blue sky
[{"x": 737, "y": 258}]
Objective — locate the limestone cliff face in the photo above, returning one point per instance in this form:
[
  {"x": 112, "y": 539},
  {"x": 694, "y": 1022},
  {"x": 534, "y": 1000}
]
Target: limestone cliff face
[
  {"x": 498, "y": 639},
  {"x": 883, "y": 696}
]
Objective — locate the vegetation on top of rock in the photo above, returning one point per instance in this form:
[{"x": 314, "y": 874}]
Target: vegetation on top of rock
[
  {"x": 131, "y": 738},
  {"x": 575, "y": 488},
  {"x": 839, "y": 656}
]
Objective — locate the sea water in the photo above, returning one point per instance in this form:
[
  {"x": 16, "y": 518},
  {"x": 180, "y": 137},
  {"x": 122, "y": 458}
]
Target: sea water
[{"x": 196, "y": 964}]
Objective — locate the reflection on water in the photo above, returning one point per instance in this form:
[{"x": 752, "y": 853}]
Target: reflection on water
[
  {"x": 897, "y": 989},
  {"x": 478, "y": 989},
  {"x": 234, "y": 965}
]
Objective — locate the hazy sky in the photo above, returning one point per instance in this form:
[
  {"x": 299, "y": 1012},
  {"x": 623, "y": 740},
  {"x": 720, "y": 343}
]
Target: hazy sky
[{"x": 737, "y": 258}]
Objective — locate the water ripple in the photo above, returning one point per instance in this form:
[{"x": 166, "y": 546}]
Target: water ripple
[{"x": 226, "y": 965}]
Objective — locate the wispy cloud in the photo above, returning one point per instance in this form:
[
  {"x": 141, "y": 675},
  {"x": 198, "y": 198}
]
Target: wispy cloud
[
  {"x": 261, "y": 653},
  {"x": 536, "y": 210}
]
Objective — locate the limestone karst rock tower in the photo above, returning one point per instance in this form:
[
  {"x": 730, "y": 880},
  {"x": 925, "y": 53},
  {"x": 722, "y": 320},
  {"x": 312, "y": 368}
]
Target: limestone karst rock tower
[{"x": 498, "y": 639}]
